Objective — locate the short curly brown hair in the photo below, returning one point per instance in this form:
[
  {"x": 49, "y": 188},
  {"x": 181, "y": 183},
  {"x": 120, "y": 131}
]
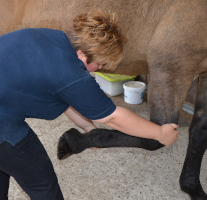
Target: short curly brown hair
[{"x": 99, "y": 37}]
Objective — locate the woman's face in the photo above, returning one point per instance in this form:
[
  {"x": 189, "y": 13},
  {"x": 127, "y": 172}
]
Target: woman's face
[{"x": 91, "y": 67}]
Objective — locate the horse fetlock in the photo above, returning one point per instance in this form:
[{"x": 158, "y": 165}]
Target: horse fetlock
[
  {"x": 151, "y": 145},
  {"x": 192, "y": 188}
]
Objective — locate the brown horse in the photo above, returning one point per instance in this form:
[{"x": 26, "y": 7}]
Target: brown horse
[{"x": 167, "y": 39}]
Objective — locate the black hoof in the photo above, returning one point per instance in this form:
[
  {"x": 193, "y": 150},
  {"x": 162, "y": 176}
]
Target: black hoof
[
  {"x": 71, "y": 142},
  {"x": 63, "y": 148}
]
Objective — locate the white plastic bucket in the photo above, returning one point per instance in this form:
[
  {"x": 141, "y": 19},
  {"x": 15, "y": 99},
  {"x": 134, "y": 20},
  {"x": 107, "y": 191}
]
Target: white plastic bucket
[{"x": 134, "y": 92}]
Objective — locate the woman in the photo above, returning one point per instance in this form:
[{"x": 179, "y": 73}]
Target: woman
[{"x": 44, "y": 73}]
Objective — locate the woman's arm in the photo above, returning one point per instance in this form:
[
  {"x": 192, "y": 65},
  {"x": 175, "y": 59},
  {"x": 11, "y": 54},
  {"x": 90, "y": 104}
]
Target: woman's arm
[
  {"x": 82, "y": 122},
  {"x": 128, "y": 122}
]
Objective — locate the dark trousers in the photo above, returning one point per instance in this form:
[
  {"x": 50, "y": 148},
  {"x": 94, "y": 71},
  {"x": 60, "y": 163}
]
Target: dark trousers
[{"x": 31, "y": 167}]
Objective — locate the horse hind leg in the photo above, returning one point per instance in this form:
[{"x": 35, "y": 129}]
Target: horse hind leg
[{"x": 189, "y": 180}]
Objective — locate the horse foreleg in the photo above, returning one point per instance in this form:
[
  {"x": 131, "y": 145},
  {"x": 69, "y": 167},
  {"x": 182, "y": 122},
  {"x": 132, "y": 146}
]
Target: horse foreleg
[
  {"x": 73, "y": 142},
  {"x": 189, "y": 180}
]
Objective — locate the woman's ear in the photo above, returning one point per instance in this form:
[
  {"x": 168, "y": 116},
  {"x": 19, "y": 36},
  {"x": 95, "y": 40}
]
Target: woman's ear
[
  {"x": 80, "y": 54},
  {"x": 82, "y": 57}
]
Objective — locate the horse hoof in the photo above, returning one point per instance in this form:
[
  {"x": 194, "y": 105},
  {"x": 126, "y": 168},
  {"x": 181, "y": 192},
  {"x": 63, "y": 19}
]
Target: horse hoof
[{"x": 63, "y": 149}]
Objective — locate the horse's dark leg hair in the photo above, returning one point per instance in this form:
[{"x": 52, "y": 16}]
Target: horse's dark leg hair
[
  {"x": 189, "y": 180},
  {"x": 104, "y": 138},
  {"x": 73, "y": 142}
]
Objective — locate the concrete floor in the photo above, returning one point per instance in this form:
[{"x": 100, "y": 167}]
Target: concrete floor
[{"x": 115, "y": 173}]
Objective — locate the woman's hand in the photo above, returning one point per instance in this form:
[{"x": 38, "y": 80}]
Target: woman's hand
[{"x": 169, "y": 134}]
